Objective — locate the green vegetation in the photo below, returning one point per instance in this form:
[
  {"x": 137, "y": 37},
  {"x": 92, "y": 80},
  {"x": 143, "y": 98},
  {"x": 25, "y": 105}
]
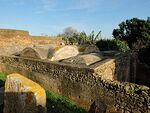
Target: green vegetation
[
  {"x": 136, "y": 32},
  {"x": 112, "y": 44},
  {"x": 2, "y": 82},
  {"x": 2, "y": 79},
  {"x": 59, "y": 104},
  {"x": 72, "y": 36},
  {"x": 136, "y": 89},
  {"x": 92, "y": 38}
]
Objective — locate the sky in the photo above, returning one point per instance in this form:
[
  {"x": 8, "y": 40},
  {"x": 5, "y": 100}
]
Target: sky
[{"x": 51, "y": 17}]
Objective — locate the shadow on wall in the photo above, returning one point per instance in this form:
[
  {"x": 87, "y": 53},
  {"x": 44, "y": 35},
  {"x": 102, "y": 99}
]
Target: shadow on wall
[
  {"x": 130, "y": 69},
  {"x": 21, "y": 102},
  {"x": 143, "y": 75},
  {"x": 140, "y": 72},
  {"x": 122, "y": 71}
]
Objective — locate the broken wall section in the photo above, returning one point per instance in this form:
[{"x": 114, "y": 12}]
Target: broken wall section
[{"x": 81, "y": 84}]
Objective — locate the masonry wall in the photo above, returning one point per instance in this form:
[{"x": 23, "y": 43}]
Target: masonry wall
[
  {"x": 116, "y": 68},
  {"x": 81, "y": 84}
]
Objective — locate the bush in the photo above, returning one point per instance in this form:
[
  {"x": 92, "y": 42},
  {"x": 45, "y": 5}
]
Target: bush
[
  {"x": 114, "y": 44},
  {"x": 121, "y": 45}
]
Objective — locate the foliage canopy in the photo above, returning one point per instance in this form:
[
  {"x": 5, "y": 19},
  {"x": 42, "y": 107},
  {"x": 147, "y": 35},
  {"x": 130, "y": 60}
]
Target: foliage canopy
[{"x": 136, "y": 32}]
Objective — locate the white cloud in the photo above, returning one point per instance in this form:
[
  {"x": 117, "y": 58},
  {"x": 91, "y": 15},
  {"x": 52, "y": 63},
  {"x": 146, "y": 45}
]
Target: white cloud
[
  {"x": 49, "y": 4},
  {"x": 56, "y": 5},
  {"x": 56, "y": 29}
]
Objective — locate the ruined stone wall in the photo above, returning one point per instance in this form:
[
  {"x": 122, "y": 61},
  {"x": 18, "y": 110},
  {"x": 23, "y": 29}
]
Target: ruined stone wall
[
  {"x": 116, "y": 68},
  {"x": 12, "y": 41},
  {"x": 47, "y": 40},
  {"x": 81, "y": 84}
]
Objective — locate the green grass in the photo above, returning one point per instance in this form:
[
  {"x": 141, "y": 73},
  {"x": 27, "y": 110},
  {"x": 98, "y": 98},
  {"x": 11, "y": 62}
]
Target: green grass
[
  {"x": 2, "y": 82},
  {"x": 2, "y": 79},
  {"x": 59, "y": 104}
]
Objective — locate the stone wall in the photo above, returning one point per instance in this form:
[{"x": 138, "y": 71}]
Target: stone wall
[
  {"x": 47, "y": 40},
  {"x": 116, "y": 68},
  {"x": 82, "y": 84}
]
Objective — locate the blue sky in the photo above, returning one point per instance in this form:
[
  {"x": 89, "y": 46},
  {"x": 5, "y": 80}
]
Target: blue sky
[{"x": 50, "y": 17}]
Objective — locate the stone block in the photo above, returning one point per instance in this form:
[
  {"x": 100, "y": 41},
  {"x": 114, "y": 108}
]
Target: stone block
[{"x": 22, "y": 95}]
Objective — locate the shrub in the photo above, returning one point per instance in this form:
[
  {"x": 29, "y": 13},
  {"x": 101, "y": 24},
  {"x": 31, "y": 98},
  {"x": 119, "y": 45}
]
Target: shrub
[
  {"x": 121, "y": 45},
  {"x": 112, "y": 44}
]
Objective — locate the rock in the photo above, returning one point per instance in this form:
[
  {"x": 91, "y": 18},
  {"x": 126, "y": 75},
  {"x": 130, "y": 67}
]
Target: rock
[{"x": 22, "y": 95}]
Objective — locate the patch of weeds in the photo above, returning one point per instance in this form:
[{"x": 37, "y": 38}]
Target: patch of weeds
[
  {"x": 59, "y": 104},
  {"x": 2, "y": 79}
]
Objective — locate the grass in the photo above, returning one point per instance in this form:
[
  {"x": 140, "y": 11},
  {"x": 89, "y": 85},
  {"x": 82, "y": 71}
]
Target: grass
[
  {"x": 59, "y": 104},
  {"x": 2, "y": 79},
  {"x": 2, "y": 82}
]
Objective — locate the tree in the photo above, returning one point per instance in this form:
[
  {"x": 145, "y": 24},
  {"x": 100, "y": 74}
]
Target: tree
[
  {"x": 70, "y": 34},
  {"x": 136, "y": 32},
  {"x": 70, "y": 31}
]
